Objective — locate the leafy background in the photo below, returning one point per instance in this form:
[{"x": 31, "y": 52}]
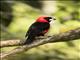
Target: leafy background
[{"x": 18, "y": 15}]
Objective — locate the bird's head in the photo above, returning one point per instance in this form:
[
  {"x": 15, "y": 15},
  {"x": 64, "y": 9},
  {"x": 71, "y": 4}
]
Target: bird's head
[{"x": 45, "y": 19}]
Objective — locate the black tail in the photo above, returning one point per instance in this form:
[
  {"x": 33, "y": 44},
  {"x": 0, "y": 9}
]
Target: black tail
[{"x": 29, "y": 40}]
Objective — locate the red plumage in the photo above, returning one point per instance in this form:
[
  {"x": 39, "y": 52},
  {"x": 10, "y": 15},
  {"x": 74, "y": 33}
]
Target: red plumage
[{"x": 41, "y": 19}]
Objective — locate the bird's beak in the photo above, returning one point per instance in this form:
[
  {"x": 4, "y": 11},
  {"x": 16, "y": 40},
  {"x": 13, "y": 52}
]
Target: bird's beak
[{"x": 54, "y": 18}]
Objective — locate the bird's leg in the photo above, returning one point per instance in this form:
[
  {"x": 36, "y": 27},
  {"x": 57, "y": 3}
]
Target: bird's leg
[
  {"x": 40, "y": 37},
  {"x": 43, "y": 37}
]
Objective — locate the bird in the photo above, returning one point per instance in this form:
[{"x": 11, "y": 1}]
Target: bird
[{"x": 39, "y": 28}]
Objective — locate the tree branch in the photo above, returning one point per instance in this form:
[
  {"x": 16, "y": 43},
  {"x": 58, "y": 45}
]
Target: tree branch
[
  {"x": 67, "y": 36},
  {"x": 9, "y": 43}
]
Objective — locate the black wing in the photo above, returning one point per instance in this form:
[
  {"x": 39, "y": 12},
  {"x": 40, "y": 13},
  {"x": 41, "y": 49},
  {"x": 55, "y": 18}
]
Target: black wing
[{"x": 37, "y": 28}]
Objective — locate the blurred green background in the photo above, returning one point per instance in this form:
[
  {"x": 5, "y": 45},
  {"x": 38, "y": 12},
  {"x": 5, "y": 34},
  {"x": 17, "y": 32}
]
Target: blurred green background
[{"x": 18, "y": 15}]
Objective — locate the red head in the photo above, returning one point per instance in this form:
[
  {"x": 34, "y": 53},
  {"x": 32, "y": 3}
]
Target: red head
[{"x": 44, "y": 19}]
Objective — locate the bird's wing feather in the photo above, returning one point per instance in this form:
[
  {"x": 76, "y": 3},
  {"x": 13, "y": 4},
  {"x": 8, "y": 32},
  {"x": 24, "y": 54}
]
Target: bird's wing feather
[{"x": 37, "y": 28}]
